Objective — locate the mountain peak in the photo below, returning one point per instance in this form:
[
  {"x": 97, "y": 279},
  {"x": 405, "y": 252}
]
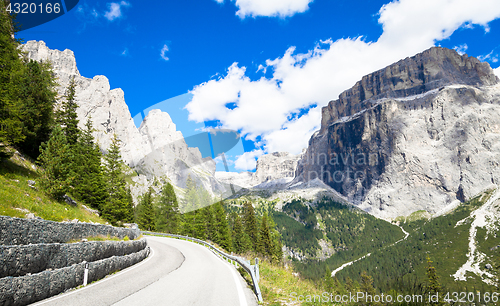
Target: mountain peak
[{"x": 431, "y": 69}]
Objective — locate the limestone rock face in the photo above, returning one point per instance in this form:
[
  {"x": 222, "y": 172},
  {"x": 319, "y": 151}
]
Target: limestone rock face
[
  {"x": 242, "y": 179},
  {"x": 170, "y": 156},
  {"x": 155, "y": 149},
  {"x": 431, "y": 69},
  {"x": 273, "y": 166},
  {"x": 419, "y": 134},
  {"x": 277, "y": 167},
  {"x": 109, "y": 112}
]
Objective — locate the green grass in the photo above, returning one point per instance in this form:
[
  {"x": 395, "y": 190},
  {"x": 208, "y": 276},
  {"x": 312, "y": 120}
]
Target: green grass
[
  {"x": 415, "y": 216},
  {"x": 17, "y": 198},
  {"x": 104, "y": 238},
  {"x": 281, "y": 286}
]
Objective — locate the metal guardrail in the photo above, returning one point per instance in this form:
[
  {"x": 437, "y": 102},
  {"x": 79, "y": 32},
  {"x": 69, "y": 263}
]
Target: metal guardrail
[{"x": 253, "y": 270}]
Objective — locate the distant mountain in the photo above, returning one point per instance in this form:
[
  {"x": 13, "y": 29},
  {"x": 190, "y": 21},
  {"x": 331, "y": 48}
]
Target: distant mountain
[
  {"x": 420, "y": 134},
  {"x": 274, "y": 168}
]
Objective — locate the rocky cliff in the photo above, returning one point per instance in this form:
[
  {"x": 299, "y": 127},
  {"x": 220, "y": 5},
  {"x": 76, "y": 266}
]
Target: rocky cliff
[
  {"x": 109, "y": 112},
  {"x": 422, "y": 133},
  {"x": 277, "y": 167},
  {"x": 155, "y": 149},
  {"x": 170, "y": 157}
]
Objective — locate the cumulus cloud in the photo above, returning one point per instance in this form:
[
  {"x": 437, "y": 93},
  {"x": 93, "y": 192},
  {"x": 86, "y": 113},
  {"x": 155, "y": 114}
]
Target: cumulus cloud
[
  {"x": 497, "y": 71},
  {"x": 247, "y": 161},
  {"x": 267, "y": 8},
  {"x": 163, "y": 52},
  {"x": 264, "y": 106},
  {"x": 114, "y": 10}
]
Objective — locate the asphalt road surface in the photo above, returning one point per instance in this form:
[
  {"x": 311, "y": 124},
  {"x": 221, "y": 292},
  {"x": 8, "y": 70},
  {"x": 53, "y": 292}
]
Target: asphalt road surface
[{"x": 177, "y": 272}]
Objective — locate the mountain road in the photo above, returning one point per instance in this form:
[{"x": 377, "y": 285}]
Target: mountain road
[{"x": 177, "y": 272}]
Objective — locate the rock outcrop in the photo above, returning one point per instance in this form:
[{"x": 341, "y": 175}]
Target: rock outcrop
[
  {"x": 156, "y": 149},
  {"x": 109, "y": 112},
  {"x": 419, "y": 134},
  {"x": 274, "y": 168},
  {"x": 170, "y": 156}
]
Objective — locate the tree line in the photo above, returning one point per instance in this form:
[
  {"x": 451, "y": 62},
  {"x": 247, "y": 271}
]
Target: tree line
[
  {"x": 27, "y": 94},
  {"x": 244, "y": 232},
  {"x": 72, "y": 164}
]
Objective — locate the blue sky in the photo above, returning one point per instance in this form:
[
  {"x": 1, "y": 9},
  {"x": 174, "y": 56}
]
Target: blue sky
[{"x": 264, "y": 68}]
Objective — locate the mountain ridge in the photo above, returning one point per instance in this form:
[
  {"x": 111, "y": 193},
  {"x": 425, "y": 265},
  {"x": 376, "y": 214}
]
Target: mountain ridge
[{"x": 422, "y": 143}]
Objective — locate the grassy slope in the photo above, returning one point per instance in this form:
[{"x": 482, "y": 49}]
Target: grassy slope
[
  {"x": 15, "y": 193},
  {"x": 278, "y": 283}
]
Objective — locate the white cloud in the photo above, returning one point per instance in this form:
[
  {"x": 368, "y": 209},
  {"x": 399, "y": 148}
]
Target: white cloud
[
  {"x": 270, "y": 8},
  {"x": 125, "y": 52},
  {"x": 114, "y": 10},
  {"x": 461, "y": 49},
  {"x": 497, "y": 71},
  {"x": 491, "y": 57},
  {"x": 301, "y": 80},
  {"x": 163, "y": 52},
  {"x": 247, "y": 161}
]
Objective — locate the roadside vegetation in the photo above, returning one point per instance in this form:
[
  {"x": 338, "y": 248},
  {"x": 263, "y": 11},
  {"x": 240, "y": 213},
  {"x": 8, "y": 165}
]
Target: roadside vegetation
[
  {"x": 104, "y": 238},
  {"x": 19, "y": 199}
]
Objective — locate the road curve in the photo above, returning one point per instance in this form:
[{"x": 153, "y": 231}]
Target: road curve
[{"x": 177, "y": 272}]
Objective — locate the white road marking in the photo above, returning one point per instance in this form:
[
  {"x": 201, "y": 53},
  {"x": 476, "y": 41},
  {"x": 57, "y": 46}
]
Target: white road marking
[{"x": 241, "y": 294}]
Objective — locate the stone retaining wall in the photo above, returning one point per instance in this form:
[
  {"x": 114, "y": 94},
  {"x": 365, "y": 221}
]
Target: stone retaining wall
[
  {"x": 24, "y": 290},
  {"x": 16, "y": 231},
  {"x": 19, "y": 260}
]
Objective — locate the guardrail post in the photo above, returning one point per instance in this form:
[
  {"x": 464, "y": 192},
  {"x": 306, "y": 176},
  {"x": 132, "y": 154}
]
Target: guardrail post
[
  {"x": 256, "y": 269},
  {"x": 85, "y": 273}
]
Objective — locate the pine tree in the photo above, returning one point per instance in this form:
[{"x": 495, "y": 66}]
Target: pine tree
[
  {"x": 238, "y": 246},
  {"x": 118, "y": 206},
  {"x": 211, "y": 230},
  {"x": 38, "y": 98},
  {"x": 89, "y": 184},
  {"x": 146, "y": 212},
  {"x": 11, "y": 70},
  {"x": 266, "y": 244},
  {"x": 366, "y": 286},
  {"x": 191, "y": 200},
  {"x": 67, "y": 117},
  {"x": 277, "y": 246},
  {"x": 55, "y": 178},
  {"x": 434, "y": 286},
  {"x": 349, "y": 285},
  {"x": 223, "y": 230},
  {"x": 168, "y": 216},
  {"x": 194, "y": 219},
  {"x": 250, "y": 225}
]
